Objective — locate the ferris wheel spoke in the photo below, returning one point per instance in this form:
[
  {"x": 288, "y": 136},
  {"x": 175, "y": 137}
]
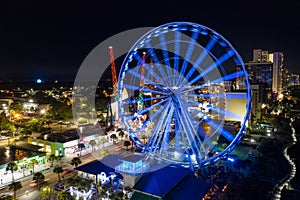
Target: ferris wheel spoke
[
  {"x": 152, "y": 118},
  {"x": 193, "y": 124},
  {"x": 156, "y": 61},
  {"x": 140, "y": 112},
  {"x": 156, "y": 76},
  {"x": 139, "y": 58},
  {"x": 200, "y": 59},
  {"x": 132, "y": 101},
  {"x": 204, "y": 140},
  {"x": 188, "y": 55},
  {"x": 219, "y": 95},
  {"x": 218, "y": 62},
  {"x": 165, "y": 130},
  {"x": 133, "y": 88},
  {"x": 187, "y": 141},
  {"x": 177, "y": 50},
  {"x": 138, "y": 75},
  {"x": 188, "y": 119},
  {"x": 215, "y": 81},
  {"x": 153, "y": 139},
  {"x": 166, "y": 56},
  {"x": 226, "y": 134}
]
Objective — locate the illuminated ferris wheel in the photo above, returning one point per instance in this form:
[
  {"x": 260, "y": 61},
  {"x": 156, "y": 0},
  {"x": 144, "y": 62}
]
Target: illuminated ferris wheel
[{"x": 183, "y": 81}]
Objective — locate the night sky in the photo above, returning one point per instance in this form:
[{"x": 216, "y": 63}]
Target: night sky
[{"x": 50, "y": 39}]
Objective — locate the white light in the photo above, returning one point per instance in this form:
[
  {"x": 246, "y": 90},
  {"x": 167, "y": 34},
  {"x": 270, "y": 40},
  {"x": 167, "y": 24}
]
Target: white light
[
  {"x": 43, "y": 111},
  {"x": 38, "y": 80}
]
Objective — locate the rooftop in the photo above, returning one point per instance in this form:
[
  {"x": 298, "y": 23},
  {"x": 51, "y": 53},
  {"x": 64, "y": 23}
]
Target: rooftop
[{"x": 17, "y": 153}]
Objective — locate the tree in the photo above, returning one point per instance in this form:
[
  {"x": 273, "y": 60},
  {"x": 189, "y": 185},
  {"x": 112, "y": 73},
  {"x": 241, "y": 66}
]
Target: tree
[
  {"x": 12, "y": 167},
  {"x": 52, "y": 158},
  {"x": 64, "y": 195},
  {"x": 15, "y": 186},
  {"x": 32, "y": 163},
  {"x": 58, "y": 170},
  {"x": 103, "y": 140},
  {"x": 76, "y": 161},
  {"x": 46, "y": 192},
  {"x": 92, "y": 143},
  {"x": 38, "y": 177},
  {"x": 113, "y": 137},
  {"x": 127, "y": 144},
  {"x": 120, "y": 132}
]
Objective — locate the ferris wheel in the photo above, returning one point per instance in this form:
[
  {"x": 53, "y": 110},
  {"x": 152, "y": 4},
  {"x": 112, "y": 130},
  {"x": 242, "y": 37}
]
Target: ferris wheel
[{"x": 185, "y": 84}]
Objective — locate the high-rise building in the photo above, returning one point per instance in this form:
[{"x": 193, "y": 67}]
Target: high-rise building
[
  {"x": 261, "y": 56},
  {"x": 265, "y": 70},
  {"x": 277, "y": 72}
]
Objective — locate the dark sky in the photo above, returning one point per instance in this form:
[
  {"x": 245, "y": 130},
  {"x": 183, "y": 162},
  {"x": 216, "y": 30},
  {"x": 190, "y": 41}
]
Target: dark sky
[{"x": 50, "y": 39}]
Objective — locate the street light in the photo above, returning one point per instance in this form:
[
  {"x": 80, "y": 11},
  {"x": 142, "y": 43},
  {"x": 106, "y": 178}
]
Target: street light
[{"x": 27, "y": 192}]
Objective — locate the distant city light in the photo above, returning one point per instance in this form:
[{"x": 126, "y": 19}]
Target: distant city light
[{"x": 38, "y": 81}]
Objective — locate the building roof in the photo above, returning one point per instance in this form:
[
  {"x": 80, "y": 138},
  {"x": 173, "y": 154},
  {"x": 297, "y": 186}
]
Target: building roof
[
  {"x": 28, "y": 146},
  {"x": 174, "y": 183},
  {"x": 63, "y": 137},
  {"x": 105, "y": 165},
  {"x": 162, "y": 181},
  {"x": 16, "y": 153}
]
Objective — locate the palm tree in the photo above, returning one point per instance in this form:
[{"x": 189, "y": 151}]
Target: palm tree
[
  {"x": 76, "y": 161},
  {"x": 103, "y": 140},
  {"x": 46, "y": 192},
  {"x": 12, "y": 167},
  {"x": 38, "y": 177},
  {"x": 64, "y": 195},
  {"x": 32, "y": 163},
  {"x": 113, "y": 137},
  {"x": 52, "y": 158},
  {"x": 92, "y": 143},
  {"x": 58, "y": 170},
  {"x": 15, "y": 186},
  {"x": 127, "y": 144},
  {"x": 120, "y": 132}
]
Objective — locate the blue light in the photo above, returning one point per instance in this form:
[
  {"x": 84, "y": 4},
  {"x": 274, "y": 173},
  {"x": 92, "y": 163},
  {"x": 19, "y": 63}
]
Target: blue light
[
  {"x": 230, "y": 159},
  {"x": 39, "y": 81}
]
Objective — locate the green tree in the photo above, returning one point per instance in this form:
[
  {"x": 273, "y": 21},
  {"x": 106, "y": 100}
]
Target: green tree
[
  {"x": 60, "y": 111},
  {"x": 32, "y": 163},
  {"x": 4, "y": 123},
  {"x": 15, "y": 186},
  {"x": 103, "y": 140},
  {"x": 76, "y": 161},
  {"x": 58, "y": 170},
  {"x": 47, "y": 192},
  {"x": 52, "y": 158},
  {"x": 38, "y": 177},
  {"x": 12, "y": 167},
  {"x": 64, "y": 195},
  {"x": 92, "y": 143}
]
